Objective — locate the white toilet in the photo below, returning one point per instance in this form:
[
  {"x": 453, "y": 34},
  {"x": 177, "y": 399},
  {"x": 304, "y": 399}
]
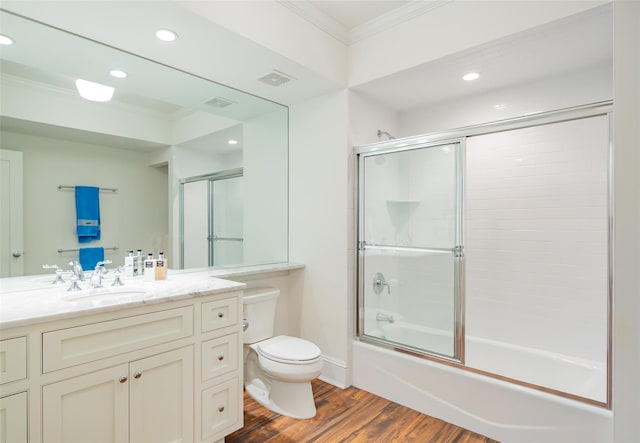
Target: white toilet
[{"x": 277, "y": 370}]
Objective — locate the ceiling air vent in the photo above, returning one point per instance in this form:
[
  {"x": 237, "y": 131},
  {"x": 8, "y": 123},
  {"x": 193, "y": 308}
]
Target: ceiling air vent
[
  {"x": 276, "y": 78},
  {"x": 219, "y": 102}
]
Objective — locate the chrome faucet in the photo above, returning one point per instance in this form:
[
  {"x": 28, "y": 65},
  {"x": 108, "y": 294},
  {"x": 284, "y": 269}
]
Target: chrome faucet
[
  {"x": 384, "y": 317},
  {"x": 96, "y": 277},
  {"x": 77, "y": 270}
]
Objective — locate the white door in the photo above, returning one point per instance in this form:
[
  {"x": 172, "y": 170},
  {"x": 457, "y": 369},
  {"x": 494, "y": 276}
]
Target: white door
[
  {"x": 11, "y": 241},
  {"x": 161, "y": 398},
  {"x": 89, "y": 408}
]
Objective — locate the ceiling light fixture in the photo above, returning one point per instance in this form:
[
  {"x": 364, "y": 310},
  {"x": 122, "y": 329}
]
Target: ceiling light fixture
[
  {"x": 94, "y": 91},
  {"x": 232, "y": 142},
  {"x": 5, "y": 40},
  {"x": 166, "y": 35},
  {"x": 117, "y": 73},
  {"x": 470, "y": 76}
]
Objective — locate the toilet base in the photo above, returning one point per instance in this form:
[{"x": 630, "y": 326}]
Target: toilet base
[{"x": 294, "y": 400}]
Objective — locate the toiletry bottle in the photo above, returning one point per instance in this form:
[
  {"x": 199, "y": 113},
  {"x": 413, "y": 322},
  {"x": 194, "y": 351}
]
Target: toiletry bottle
[
  {"x": 128, "y": 265},
  {"x": 139, "y": 261},
  {"x": 149, "y": 268},
  {"x": 161, "y": 267}
]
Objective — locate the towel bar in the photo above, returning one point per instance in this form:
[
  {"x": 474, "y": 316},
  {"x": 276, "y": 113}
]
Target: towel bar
[
  {"x": 60, "y": 251},
  {"x": 72, "y": 188}
]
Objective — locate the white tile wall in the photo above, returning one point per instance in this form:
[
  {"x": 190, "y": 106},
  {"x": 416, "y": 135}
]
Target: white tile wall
[{"x": 536, "y": 237}]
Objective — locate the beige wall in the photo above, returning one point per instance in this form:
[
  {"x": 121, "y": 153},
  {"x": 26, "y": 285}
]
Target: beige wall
[{"x": 134, "y": 217}]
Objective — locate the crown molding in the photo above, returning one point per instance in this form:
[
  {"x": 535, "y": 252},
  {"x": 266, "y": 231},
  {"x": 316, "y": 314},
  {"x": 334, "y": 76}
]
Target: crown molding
[
  {"x": 316, "y": 17},
  {"x": 393, "y": 18},
  {"x": 328, "y": 24}
]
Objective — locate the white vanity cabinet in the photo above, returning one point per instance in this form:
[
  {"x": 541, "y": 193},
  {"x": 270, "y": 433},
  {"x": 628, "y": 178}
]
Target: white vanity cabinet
[
  {"x": 167, "y": 371},
  {"x": 146, "y": 400},
  {"x": 13, "y": 418}
]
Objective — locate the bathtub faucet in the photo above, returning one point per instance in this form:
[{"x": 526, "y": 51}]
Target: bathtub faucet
[{"x": 384, "y": 317}]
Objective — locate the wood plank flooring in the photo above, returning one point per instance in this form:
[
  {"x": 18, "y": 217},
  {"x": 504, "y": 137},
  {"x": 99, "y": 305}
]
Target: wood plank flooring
[{"x": 349, "y": 415}]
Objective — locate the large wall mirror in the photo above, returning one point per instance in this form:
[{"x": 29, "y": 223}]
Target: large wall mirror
[{"x": 152, "y": 150}]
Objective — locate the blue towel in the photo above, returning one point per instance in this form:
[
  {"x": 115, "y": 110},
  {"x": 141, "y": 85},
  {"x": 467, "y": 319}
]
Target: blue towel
[
  {"x": 89, "y": 257},
  {"x": 87, "y": 213}
]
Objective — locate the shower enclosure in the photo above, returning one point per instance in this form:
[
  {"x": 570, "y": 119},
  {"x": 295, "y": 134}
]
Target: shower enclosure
[
  {"x": 211, "y": 219},
  {"x": 488, "y": 248}
]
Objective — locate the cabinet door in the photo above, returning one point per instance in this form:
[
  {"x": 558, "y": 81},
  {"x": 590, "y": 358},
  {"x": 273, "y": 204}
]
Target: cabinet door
[
  {"x": 161, "y": 397},
  {"x": 89, "y": 408},
  {"x": 13, "y": 418}
]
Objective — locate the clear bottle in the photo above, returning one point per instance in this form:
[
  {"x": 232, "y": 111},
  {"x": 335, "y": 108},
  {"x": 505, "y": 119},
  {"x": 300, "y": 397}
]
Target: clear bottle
[{"x": 139, "y": 263}]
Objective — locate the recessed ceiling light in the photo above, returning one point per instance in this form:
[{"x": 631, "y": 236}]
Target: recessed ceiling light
[
  {"x": 470, "y": 76},
  {"x": 166, "y": 35},
  {"x": 5, "y": 40},
  {"x": 232, "y": 142},
  {"x": 94, "y": 91},
  {"x": 118, "y": 73}
]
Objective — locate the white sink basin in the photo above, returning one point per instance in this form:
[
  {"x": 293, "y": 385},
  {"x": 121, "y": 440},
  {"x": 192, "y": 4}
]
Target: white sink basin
[{"x": 120, "y": 293}]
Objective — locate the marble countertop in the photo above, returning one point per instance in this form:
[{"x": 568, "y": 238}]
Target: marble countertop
[
  {"x": 37, "y": 305},
  {"x": 33, "y": 299}
]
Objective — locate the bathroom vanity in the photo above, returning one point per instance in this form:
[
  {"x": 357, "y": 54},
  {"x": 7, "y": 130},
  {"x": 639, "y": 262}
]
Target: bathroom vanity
[{"x": 148, "y": 361}]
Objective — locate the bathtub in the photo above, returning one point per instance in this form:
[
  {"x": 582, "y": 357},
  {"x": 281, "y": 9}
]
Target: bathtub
[
  {"x": 501, "y": 410},
  {"x": 576, "y": 376}
]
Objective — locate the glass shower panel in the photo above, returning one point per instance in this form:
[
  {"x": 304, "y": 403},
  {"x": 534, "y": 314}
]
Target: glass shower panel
[
  {"x": 227, "y": 238},
  {"x": 409, "y": 254},
  {"x": 410, "y": 198},
  {"x": 536, "y": 247},
  {"x": 195, "y": 220}
]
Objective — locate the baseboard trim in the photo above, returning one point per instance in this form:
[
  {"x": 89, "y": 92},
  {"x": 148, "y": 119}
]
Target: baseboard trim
[{"x": 335, "y": 372}]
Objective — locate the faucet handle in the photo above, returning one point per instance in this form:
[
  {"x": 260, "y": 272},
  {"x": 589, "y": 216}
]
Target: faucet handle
[
  {"x": 58, "y": 280},
  {"x": 74, "y": 284},
  {"x": 116, "y": 280}
]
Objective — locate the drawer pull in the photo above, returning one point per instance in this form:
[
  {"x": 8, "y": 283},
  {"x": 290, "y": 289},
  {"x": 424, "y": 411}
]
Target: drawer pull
[
  {"x": 137, "y": 374},
  {"x": 220, "y": 357},
  {"x": 123, "y": 379},
  {"x": 220, "y": 408},
  {"x": 220, "y": 314}
]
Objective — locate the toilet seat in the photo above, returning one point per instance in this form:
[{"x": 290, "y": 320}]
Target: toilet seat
[{"x": 290, "y": 350}]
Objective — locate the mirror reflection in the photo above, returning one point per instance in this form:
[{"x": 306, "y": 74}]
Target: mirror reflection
[{"x": 161, "y": 128}]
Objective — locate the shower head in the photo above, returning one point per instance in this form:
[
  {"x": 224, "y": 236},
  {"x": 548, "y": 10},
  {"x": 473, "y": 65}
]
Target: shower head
[{"x": 381, "y": 133}]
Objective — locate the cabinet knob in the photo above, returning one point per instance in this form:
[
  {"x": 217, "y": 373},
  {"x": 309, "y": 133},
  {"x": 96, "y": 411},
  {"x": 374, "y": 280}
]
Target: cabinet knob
[
  {"x": 220, "y": 408},
  {"x": 220, "y": 357},
  {"x": 137, "y": 374},
  {"x": 220, "y": 314},
  {"x": 123, "y": 379}
]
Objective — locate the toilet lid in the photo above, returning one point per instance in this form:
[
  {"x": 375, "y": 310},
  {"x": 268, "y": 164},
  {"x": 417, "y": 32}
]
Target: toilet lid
[{"x": 288, "y": 349}]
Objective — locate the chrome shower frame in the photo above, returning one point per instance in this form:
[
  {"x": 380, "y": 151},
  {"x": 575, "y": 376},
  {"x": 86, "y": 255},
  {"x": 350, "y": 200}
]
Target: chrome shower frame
[{"x": 459, "y": 136}]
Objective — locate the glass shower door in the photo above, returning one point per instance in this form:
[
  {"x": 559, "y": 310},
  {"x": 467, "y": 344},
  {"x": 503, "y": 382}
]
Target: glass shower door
[
  {"x": 226, "y": 237},
  {"x": 410, "y": 252}
]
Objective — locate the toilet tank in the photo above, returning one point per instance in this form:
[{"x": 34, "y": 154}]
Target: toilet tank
[{"x": 259, "y": 309}]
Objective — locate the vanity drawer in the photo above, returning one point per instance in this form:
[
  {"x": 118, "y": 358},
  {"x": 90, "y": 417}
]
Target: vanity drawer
[
  {"x": 219, "y": 356},
  {"x": 220, "y": 410},
  {"x": 82, "y": 344},
  {"x": 219, "y": 314},
  {"x": 13, "y": 359}
]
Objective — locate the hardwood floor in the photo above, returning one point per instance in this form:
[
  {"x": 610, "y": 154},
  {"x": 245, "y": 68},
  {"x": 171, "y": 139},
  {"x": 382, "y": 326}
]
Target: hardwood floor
[{"x": 349, "y": 415}]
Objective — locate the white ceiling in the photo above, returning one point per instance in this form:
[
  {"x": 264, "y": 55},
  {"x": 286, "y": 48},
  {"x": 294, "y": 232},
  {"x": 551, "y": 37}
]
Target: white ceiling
[{"x": 576, "y": 43}]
